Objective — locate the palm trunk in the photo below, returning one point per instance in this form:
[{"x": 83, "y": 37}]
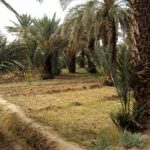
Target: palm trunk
[
  {"x": 141, "y": 52},
  {"x": 48, "y": 67},
  {"x": 91, "y": 66},
  {"x": 49, "y": 71},
  {"x": 113, "y": 43},
  {"x": 82, "y": 60},
  {"x": 71, "y": 62}
]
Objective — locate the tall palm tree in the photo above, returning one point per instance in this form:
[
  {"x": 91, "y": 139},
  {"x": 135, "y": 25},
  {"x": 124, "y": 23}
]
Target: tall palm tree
[
  {"x": 141, "y": 52},
  {"x": 98, "y": 20},
  {"x": 8, "y": 63}
]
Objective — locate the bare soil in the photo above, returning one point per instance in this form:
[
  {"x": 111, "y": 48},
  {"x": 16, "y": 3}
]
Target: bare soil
[{"x": 61, "y": 84}]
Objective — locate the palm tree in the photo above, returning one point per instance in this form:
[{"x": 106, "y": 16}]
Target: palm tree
[
  {"x": 99, "y": 21},
  {"x": 10, "y": 55},
  {"x": 22, "y": 30},
  {"x": 141, "y": 52},
  {"x": 36, "y": 34},
  {"x": 44, "y": 32}
]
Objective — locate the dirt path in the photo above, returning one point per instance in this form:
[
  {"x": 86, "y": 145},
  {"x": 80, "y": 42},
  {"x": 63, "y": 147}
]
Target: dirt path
[{"x": 51, "y": 140}]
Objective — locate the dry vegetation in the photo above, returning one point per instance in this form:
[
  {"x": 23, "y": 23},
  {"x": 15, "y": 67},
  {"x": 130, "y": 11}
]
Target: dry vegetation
[
  {"x": 77, "y": 108},
  {"x": 7, "y": 139}
]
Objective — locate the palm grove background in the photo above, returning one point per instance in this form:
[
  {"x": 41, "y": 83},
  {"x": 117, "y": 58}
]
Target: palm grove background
[{"x": 89, "y": 37}]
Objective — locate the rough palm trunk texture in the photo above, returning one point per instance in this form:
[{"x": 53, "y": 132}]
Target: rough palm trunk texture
[
  {"x": 141, "y": 51},
  {"x": 71, "y": 62}
]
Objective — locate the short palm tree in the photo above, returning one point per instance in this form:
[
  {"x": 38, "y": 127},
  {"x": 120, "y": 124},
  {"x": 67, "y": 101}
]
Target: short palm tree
[
  {"x": 10, "y": 55},
  {"x": 43, "y": 31},
  {"x": 36, "y": 34},
  {"x": 22, "y": 30}
]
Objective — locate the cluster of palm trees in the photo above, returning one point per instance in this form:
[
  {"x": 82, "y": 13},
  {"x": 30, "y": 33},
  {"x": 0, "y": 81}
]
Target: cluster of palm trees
[
  {"x": 83, "y": 27},
  {"x": 91, "y": 25},
  {"x": 96, "y": 21},
  {"x": 35, "y": 37}
]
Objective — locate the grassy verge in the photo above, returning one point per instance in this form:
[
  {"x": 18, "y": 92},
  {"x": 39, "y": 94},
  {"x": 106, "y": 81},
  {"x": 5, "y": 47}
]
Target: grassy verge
[
  {"x": 24, "y": 133},
  {"x": 9, "y": 140}
]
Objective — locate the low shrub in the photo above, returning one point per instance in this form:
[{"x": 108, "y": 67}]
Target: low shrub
[{"x": 129, "y": 140}]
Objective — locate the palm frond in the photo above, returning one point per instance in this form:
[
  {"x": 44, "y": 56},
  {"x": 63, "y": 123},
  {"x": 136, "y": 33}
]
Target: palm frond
[
  {"x": 9, "y": 7},
  {"x": 10, "y": 55}
]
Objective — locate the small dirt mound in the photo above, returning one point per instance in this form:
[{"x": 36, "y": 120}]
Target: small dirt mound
[
  {"x": 76, "y": 104},
  {"x": 51, "y": 107}
]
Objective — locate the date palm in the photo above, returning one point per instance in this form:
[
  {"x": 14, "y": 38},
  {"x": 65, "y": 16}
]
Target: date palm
[
  {"x": 44, "y": 31},
  {"x": 10, "y": 55},
  {"x": 21, "y": 29},
  {"x": 141, "y": 52}
]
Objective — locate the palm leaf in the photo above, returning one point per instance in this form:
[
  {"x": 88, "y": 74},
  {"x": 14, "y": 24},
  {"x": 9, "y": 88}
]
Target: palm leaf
[{"x": 9, "y": 7}]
